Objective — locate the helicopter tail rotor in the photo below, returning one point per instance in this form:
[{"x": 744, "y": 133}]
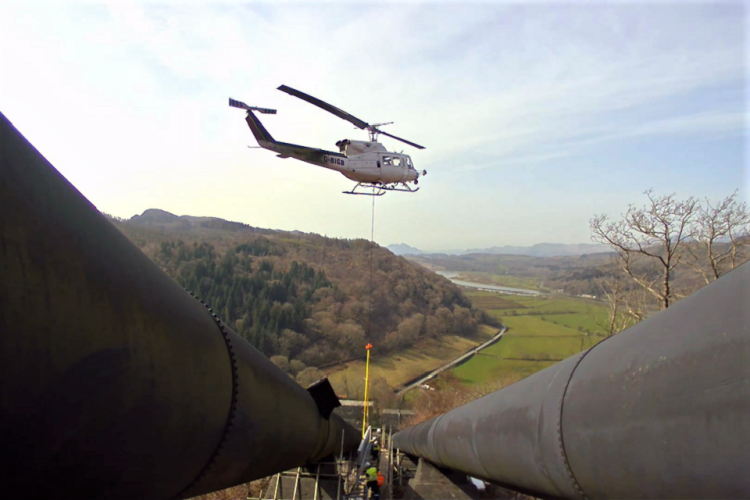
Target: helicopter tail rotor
[{"x": 239, "y": 104}]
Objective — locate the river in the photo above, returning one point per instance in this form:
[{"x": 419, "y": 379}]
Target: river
[{"x": 451, "y": 275}]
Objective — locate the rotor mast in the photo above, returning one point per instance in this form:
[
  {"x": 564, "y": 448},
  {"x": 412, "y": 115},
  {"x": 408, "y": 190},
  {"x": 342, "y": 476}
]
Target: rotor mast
[{"x": 374, "y": 132}]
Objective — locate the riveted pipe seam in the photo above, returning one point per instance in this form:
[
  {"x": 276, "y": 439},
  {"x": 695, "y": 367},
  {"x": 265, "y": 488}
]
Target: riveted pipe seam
[
  {"x": 232, "y": 408},
  {"x": 560, "y": 440}
]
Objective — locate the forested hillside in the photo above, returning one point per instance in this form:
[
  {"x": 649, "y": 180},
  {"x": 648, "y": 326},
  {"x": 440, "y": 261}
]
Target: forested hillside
[{"x": 308, "y": 300}]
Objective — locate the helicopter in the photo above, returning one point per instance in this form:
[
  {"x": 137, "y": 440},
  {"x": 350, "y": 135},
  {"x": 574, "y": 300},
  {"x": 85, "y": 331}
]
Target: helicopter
[{"x": 368, "y": 163}]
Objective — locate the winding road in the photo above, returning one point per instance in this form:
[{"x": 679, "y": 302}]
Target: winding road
[{"x": 453, "y": 362}]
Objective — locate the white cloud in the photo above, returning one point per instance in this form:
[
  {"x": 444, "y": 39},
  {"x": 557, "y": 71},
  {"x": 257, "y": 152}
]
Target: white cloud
[{"x": 129, "y": 100}]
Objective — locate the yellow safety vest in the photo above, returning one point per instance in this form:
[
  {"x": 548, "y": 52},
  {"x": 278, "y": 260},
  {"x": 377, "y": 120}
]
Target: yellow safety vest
[{"x": 372, "y": 474}]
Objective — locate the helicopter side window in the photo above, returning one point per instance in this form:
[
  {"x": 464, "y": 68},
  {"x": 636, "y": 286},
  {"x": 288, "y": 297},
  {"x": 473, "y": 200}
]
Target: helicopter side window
[
  {"x": 387, "y": 161},
  {"x": 396, "y": 161}
]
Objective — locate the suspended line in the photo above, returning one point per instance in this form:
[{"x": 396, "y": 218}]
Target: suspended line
[{"x": 372, "y": 244}]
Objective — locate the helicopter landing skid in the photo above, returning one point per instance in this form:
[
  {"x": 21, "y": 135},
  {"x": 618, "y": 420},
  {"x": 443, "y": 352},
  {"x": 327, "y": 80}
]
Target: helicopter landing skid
[
  {"x": 377, "y": 189},
  {"x": 395, "y": 187},
  {"x": 380, "y": 189}
]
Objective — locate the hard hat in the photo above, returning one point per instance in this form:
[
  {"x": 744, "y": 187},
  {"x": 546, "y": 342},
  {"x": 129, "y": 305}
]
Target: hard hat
[{"x": 367, "y": 464}]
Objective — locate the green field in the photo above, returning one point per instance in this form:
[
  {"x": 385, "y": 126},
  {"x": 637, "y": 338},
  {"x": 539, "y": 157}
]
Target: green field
[
  {"x": 480, "y": 369},
  {"x": 540, "y": 329},
  {"x": 535, "y": 325},
  {"x": 538, "y": 348},
  {"x": 492, "y": 300},
  {"x": 590, "y": 324},
  {"x": 501, "y": 280}
]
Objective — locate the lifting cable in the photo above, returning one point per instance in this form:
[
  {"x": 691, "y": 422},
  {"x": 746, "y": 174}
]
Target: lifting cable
[
  {"x": 366, "y": 408},
  {"x": 372, "y": 244}
]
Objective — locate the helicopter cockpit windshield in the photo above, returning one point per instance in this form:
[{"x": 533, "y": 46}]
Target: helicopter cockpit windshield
[{"x": 409, "y": 163}]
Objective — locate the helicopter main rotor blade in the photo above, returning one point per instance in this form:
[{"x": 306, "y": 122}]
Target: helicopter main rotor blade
[
  {"x": 400, "y": 139},
  {"x": 324, "y": 105}
]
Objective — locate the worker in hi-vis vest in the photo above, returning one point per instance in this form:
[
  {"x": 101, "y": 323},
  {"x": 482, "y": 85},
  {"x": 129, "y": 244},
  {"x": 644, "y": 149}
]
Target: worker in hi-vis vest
[
  {"x": 371, "y": 472},
  {"x": 375, "y": 450}
]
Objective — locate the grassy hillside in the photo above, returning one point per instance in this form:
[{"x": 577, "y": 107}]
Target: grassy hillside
[{"x": 397, "y": 368}]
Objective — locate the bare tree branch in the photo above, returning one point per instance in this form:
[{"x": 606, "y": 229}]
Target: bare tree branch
[
  {"x": 614, "y": 289},
  {"x": 722, "y": 230},
  {"x": 656, "y": 233}
]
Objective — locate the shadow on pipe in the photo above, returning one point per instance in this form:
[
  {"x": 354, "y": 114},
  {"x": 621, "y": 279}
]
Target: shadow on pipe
[{"x": 114, "y": 381}]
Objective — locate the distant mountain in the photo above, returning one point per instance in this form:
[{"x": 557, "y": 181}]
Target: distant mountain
[
  {"x": 404, "y": 249},
  {"x": 538, "y": 250},
  {"x": 161, "y": 219},
  {"x": 544, "y": 250},
  {"x": 154, "y": 216}
]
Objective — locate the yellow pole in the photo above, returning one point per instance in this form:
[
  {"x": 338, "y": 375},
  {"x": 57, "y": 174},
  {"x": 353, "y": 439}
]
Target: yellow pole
[{"x": 366, "y": 412}]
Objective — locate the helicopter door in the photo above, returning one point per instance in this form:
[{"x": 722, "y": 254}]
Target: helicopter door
[{"x": 386, "y": 170}]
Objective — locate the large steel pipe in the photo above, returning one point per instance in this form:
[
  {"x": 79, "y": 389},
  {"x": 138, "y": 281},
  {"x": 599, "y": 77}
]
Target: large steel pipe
[
  {"x": 114, "y": 381},
  {"x": 661, "y": 410}
]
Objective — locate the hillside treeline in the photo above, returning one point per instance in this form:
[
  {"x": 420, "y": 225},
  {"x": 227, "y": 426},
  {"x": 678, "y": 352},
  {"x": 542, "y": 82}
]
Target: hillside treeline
[
  {"x": 573, "y": 275},
  {"x": 307, "y": 300}
]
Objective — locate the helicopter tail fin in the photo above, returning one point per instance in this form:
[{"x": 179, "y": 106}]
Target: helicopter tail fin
[{"x": 258, "y": 130}]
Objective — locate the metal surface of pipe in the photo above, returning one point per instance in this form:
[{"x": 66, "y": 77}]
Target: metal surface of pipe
[
  {"x": 114, "y": 381},
  {"x": 661, "y": 410}
]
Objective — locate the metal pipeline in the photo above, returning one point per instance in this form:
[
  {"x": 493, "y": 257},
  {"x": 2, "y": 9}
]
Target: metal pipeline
[
  {"x": 661, "y": 410},
  {"x": 114, "y": 381}
]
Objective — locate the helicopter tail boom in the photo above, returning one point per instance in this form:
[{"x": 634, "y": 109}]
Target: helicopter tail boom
[
  {"x": 286, "y": 150},
  {"x": 258, "y": 130}
]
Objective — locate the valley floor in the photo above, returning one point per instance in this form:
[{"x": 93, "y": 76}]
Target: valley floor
[{"x": 542, "y": 330}]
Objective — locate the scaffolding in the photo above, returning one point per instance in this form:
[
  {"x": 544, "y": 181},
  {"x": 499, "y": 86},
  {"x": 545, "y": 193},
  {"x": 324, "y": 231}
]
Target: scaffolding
[
  {"x": 315, "y": 481},
  {"x": 311, "y": 477}
]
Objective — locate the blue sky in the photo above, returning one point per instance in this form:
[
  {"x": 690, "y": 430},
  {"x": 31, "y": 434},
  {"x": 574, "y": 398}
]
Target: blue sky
[{"x": 535, "y": 116}]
